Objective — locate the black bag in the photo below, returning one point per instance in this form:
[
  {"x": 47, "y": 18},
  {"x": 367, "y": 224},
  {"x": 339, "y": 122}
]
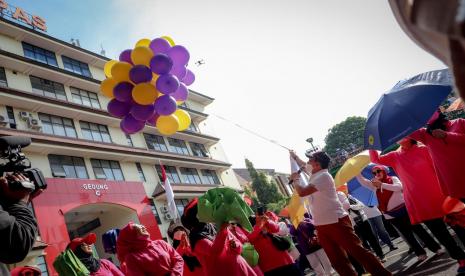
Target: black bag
[{"x": 279, "y": 242}]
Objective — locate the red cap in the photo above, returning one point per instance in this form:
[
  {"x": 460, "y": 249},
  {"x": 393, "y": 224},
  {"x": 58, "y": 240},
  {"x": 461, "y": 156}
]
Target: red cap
[
  {"x": 191, "y": 204},
  {"x": 91, "y": 238},
  {"x": 25, "y": 270},
  {"x": 452, "y": 205}
]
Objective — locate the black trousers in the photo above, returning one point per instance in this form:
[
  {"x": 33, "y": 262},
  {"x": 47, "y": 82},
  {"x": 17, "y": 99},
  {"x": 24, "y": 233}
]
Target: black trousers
[
  {"x": 403, "y": 225},
  {"x": 365, "y": 233},
  {"x": 288, "y": 270},
  {"x": 442, "y": 234}
]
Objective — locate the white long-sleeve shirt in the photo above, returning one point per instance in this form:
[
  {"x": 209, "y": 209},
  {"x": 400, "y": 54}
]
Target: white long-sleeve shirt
[{"x": 397, "y": 197}]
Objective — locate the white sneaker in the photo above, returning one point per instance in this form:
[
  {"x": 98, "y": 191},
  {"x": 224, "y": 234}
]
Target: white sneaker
[
  {"x": 421, "y": 258},
  {"x": 440, "y": 251}
]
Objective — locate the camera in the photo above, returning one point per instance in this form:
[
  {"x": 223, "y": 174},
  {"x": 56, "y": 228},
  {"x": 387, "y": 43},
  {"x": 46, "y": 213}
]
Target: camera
[{"x": 10, "y": 149}]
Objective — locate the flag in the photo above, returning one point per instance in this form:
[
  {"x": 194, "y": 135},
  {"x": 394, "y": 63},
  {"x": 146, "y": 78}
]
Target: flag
[
  {"x": 296, "y": 205},
  {"x": 169, "y": 193}
]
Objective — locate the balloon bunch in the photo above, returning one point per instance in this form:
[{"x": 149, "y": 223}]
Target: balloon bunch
[{"x": 147, "y": 84}]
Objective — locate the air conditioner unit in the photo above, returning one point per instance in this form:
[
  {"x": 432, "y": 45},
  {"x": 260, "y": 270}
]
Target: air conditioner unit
[
  {"x": 3, "y": 121},
  {"x": 168, "y": 216},
  {"x": 164, "y": 209},
  {"x": 34, "y": 124},
  {"x": 24, "y": 115}
]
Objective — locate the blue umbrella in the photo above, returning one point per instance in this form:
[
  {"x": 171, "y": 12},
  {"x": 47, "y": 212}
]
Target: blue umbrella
[
  {"x": 360, "y": 192},
  {"x": 406, "y": 108}
]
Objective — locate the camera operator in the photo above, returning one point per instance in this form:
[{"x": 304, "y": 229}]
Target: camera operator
[{"x": 18, "y": 227}]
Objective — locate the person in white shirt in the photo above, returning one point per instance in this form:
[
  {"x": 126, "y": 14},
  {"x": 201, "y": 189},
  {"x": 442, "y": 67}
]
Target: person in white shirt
[
  {"x": 376, "y": 221},
  {"x": 391, "y": 203},
  {"x": 334, "y": 229}
]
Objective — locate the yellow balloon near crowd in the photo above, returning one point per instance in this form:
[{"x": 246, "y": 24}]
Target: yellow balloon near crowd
[{"x": 167, "y": 125}]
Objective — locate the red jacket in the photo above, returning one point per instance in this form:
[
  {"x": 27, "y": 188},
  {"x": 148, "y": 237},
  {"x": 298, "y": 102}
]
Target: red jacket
[
  {"x": 448, "y": 155},
  {"x": 422, "y": 192},
  {"x": 198, "y": 271},
  {"x": 242, "y": 236},
  {"x": 269, "y": 256},
  {"x": 220, "y": 257},
  {"x": 107, "y": 268}
]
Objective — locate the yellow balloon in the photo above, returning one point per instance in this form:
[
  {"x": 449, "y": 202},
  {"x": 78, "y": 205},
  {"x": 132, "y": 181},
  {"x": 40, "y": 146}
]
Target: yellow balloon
[
  {"x": 167, "y": 125},
  {"x": 141, "y": 55},
  {"x": 169, "y": 39},
  {"x": 106, "y": 86},
  {"x": 107, "y": 67},
  {"x": 120, "y": 71},
  {"x": 154, "y": 79},
  {"x": 184, "y": 119},
  {"x": 145, "y": 42},
  {"x": 144, "y": 93}
]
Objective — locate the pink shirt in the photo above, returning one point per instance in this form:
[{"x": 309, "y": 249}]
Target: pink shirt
[
  {"x": 422, "y": 192},
  {"x": 448, "y": 155},
  {"x": 107, "y": 268}
]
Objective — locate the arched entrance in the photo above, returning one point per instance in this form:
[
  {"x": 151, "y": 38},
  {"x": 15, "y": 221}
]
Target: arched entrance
[
  {"x": 98, "y": 218},
  {"x": 74, "y": 202}
]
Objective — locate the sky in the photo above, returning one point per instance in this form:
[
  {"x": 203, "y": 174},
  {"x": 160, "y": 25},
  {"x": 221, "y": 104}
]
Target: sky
[{"x": 288, "y": 70}]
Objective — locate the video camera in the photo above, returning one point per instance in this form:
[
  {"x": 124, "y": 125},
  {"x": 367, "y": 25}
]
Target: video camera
[{"x": 10, "y": 149}]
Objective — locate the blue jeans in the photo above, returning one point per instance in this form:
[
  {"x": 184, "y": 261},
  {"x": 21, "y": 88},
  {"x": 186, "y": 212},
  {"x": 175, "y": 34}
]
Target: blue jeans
[{"x": 378, "y": 227}]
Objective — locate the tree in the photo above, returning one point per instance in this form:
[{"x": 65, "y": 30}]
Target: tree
[
  {"x": 347, "y": 135},
  {"x": 267, "y": 191}
]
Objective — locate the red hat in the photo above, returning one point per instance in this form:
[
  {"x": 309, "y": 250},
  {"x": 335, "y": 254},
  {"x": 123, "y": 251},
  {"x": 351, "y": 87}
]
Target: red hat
[
  {"x": 91, "y": 238},
  {"x": 25, "y": 270},
  {"x": 452, "y": 205}
]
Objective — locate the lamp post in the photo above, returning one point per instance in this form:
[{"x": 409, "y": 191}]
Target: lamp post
[{"x": 313, "y": 149}]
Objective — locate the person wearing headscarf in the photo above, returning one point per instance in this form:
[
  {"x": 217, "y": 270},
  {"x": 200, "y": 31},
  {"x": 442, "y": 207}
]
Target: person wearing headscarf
[
  {"x": 180, "y": 237},
  {"x": 82, "y": 248},
  {"x": 445, "y": 141},
  {"x": 391, "y": 202},
  {"x": 139, "y": 255},
  {"x": 218, "y": 254}
]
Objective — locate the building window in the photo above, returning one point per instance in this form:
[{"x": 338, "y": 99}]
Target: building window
[
  {"x": 155, "y": 212},
  {"x": 3, "y": 81},
  {"x": 198, "y": 150},
  {"x": 42, "y": 265},
  {"x": 141, "y": 172},
  {"x": 48, "y": 88},
  {"x": 39, "y": 54},
  {"x": 171, "y": 173},
  {"x": 11, "y": 116},
  {"x": 210, "y": 177},
  {"x": 76, "y": 66},
  {"x": 129, "y": 140},
  {"x": 178, "y": 146},
  {"x": 95, "y": 132},
  {"x": 192, "y": 127},
  {"x": 84, "y": 97},
  {"x": 191, "y": 176},
  {"x": 57, "y": 125},
  {"x": 68, "y": 166},
  {"x": 180, "y": 204},
  {"x": 107, "y": 169},
  {"x": 155, "y": 142}
]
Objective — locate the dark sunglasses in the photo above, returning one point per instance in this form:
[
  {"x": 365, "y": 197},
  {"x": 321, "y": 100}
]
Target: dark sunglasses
[{"x": 376, "y": 172}]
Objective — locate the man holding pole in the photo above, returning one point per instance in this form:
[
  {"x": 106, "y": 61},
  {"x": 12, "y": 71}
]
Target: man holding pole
[{"x": 334, "y": 229}]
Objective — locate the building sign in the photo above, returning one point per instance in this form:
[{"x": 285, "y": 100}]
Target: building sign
[
  {"x": 19, "y": 15},
  {"x": 95, "y": 187}
]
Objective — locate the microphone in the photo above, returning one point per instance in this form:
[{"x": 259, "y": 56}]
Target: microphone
[
  {"x": 14, "y": 142},
  {"x": 299, "y": 171}
]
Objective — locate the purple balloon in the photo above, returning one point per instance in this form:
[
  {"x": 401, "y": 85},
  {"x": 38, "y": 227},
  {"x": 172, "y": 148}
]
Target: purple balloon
[
  {"x": 179, "y": 54},
  {"x": 142, "y": 112},
  {"x": 165, "y": 105},
  {"x": 159, "y": 45},
  {"x": 161, "y": 64},
  {"x": 167, "y": 84},
  {"x": 189, "y": 78},
  {"x": 126, "y": 56},
  {"x": 179, "y": 71},
  {"x": 181, "y": 93},
  {"x": 123, "y": 91},
  {"x": 153, "y": 120},
  {"x": 131, "y": 125},
  {"x": 118, "y": 109},
  {"x": 140, "y": 73}
]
